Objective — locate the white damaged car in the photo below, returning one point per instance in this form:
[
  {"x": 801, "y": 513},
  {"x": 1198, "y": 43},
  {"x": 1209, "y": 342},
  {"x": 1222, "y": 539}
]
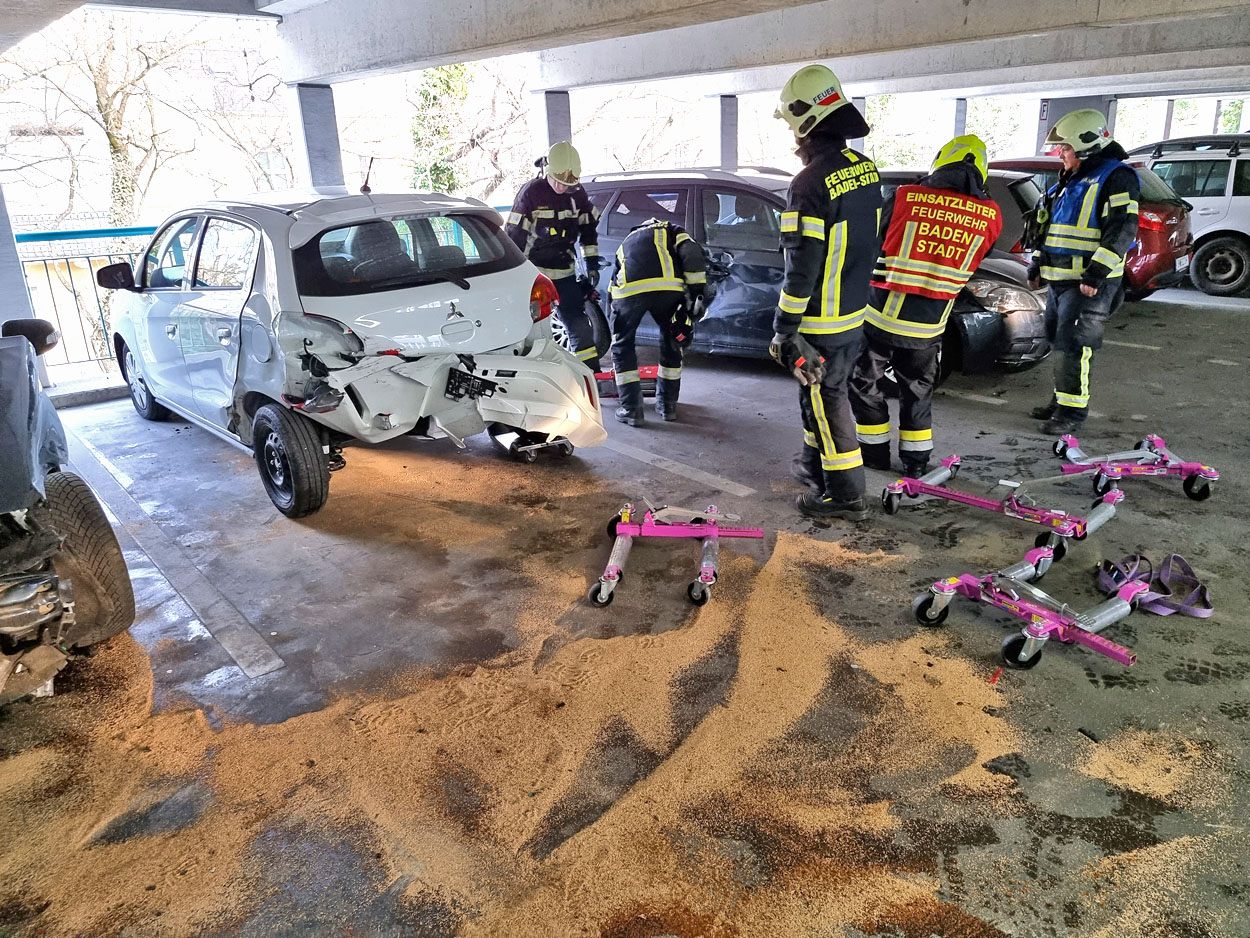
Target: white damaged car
[{"x": 291, "y": 325}]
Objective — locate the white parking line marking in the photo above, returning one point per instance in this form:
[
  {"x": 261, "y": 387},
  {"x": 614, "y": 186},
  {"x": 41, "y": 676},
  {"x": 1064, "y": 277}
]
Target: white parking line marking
[
  {"x": 979, "y": 398},
  {"x": 728, "y": 486},
  {"x": 123, "y": 480},
  {"x": 1148, "y": 348},
  {"x": 1222, "y": 361},
  {"x": 226, "y": 624}
]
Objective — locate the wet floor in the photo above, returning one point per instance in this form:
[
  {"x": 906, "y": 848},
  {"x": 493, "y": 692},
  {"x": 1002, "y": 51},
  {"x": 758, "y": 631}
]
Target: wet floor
[{"x": 440, "y": 591}]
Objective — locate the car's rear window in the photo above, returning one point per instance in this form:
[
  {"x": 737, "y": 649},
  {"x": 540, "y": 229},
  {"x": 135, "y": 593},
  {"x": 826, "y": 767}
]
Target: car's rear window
[
  {"x": 1154, "y": 189},
  {"x": 394, "y": 253}
]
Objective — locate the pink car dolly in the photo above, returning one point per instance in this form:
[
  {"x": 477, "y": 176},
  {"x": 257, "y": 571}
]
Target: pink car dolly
[
  {"x": 669, "y": 522},
  {"x": 1045, "y": 616},
  {"x": 1017, "y": 504},
  {"x": 1151, "y": 457}
]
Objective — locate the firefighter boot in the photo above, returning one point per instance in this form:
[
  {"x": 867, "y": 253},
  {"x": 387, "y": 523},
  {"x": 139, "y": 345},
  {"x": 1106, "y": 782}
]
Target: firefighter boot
[
  {"x": 631, "y": 416},
  {"x": 820, "y": 506},
  {"x": 806, "y": 469},
  {"x": 876, "y": 455},
  {"x": 1044, "y": 413}
]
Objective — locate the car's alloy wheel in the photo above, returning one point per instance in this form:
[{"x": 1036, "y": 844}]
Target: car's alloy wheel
[{"x": 138, "y": 390}]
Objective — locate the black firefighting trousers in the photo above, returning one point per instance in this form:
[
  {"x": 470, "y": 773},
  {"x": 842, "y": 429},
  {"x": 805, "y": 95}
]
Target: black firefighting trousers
[
  {"x": 571, "y": 312},
  {"x": 625, "y": 316},
  {"x": 915, "y": 371},
  {"x": 828, "y": 426}
]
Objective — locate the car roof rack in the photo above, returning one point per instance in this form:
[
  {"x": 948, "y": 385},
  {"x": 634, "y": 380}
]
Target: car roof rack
[{"x": 1230, "y": 143}]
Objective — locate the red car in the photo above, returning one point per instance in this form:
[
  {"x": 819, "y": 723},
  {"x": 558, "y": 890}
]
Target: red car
[{"x": 1164, "y": 242}]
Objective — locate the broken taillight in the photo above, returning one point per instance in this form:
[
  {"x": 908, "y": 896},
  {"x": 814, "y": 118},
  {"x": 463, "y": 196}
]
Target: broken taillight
[
  {"x": 543, "y": 297},
  {"x": 1151, "y": 221}
]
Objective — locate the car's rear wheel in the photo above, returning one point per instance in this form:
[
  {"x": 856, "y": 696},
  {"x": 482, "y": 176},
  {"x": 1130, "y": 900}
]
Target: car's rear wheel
[
  {"x": 1221, "y": 266},
  {"x": 147, "y": 407},
  {"x": 288, "y": 451},
  {"x": 91, "y": 559}
]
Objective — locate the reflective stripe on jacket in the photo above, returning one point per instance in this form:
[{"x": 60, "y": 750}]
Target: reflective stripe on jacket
[
  {"x": 657, "y": 256},
  {"x": 547, "y": 225},
  {"x": 829, "y": 233},
  {"x": 935, "y": 240},
  {"x": 1079, "y": 234}
]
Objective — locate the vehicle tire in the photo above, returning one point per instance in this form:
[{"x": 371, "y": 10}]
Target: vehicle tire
[
  {"x": 1221, "y": 266},
  {"x": 146, "y": 406},
  {"x": 92, "y": 560},
  {"x": 1197, "y": 488},
  {"x": 1012, "y": 646},
  {"x": 292, "y": 466},
  {"x": 921, "y": 606}
]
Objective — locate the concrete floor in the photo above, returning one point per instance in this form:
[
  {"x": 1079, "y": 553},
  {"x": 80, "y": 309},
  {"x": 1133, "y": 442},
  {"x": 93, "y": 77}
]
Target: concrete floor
[{"x": 253, "y": 618}]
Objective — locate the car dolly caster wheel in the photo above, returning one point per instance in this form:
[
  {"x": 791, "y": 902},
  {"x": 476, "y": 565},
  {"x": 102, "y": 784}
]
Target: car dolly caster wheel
[
  {"x": 890, "y": 501},
  {"x": 699, "y": 593},
  {"x": 596, "y": 598},
  {"x": 921, "y": 608},
  {"x": 1055, "y": 543},
  {"x": 1197, "y": 488},
  {"x": 1012, "y": 646}
]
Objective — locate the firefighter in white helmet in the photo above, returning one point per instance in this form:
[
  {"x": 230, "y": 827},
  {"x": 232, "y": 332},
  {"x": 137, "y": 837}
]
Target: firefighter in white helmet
[
  {"x": 935, "y": 234},
  {"x": 550, "y": 216},
  {"x": 1086, "y": 223},
  {"x": 829, "y": 232}
]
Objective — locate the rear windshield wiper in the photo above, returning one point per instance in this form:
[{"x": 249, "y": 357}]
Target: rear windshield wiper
[{"x": 461, "y": 282}]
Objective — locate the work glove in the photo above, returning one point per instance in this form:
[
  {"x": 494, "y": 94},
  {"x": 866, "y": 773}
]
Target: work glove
[
  {"x": 1087, "y": 330},
  {"x": 594, "y": 264},
  {"x": 683, "y": 325},
  {"x": 797, "y": 356}
]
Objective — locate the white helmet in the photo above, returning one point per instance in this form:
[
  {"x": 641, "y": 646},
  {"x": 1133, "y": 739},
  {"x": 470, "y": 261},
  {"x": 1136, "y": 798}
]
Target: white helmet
[
  {"x": 811, "y": 95},
  {"x": 1084, "y": 130},
  {"x": 564, "y": 164}
]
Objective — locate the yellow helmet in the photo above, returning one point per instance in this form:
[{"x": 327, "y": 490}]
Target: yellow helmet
[
  {"x": 811, "y": 95},
  {"x": 1084, "y": 130},
  {"x": 564, "y": 164},
  {"x": 965, "y": 147}
]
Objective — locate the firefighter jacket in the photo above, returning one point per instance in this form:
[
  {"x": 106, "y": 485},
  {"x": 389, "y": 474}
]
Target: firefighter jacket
[
  {"x": 829, "y": 233},
  {"x": 547, "y": 225},
  {"x": 935, "y": 235},
  {"x": 1090, "y": 222},
  {"x": 657, "y": 256}
]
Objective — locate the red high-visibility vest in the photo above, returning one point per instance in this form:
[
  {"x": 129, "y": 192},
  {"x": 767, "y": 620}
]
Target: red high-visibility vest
[{"x": 936, "y": 239}]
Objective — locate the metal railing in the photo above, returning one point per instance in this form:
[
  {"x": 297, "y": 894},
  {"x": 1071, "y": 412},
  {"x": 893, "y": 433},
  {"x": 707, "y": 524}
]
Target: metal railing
[{"x": 60, "y": 269}]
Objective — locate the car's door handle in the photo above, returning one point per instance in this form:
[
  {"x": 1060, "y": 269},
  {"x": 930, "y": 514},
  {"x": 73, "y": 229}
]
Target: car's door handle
[
  {"x": 171, "y": 331},
  {"x": 1207, "y": 211},
  {"x": 223, "y": 334}
]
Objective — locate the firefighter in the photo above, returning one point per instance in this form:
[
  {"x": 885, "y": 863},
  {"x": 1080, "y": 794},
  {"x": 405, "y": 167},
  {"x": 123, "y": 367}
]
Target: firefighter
[
  {"x": 659, "y": 270},
  {"x": 829, "y": 233},
  {"x": 1088, "y": 221},
  {"x": 549, "y": 216},
  {"x": 936, "y": 232}
]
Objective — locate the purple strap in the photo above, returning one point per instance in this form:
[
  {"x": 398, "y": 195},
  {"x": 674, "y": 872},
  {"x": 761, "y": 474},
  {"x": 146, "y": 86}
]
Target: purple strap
[{"x": 1177, "y": 588}]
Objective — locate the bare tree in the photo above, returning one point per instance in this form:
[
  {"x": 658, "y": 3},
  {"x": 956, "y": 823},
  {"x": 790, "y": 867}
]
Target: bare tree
[{"x": 101, "y": 70}]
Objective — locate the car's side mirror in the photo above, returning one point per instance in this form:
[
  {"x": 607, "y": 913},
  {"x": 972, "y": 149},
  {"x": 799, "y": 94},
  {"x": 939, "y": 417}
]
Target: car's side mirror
[
  {"x": 718, "y": 265},
  {"x": 117, "y": 276},
  {"x": 38, "y": 332}
]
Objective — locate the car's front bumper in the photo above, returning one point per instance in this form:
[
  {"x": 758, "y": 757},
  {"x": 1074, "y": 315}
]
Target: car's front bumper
[{"x": 545, "y": 390}]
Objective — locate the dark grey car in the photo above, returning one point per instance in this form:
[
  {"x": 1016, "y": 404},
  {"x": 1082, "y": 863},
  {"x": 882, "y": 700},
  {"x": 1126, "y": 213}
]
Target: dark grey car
[{"x": 996, "y": 320}]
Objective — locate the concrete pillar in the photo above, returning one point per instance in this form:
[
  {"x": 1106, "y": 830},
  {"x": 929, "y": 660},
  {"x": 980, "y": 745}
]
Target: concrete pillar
[
  {"x": 1111, "y": 108},
  {"x": 559, "y": 115},
  {"x": 729, "y": 131},
  {"x": 1219, "y": 114},
  {"x": 1167, "y": 119},
  {"x": 961, "y": 116},
  {"x": 319, "y": 159},
  {"x": 861, "y": 105},
  {"x": 1052, "y": 109},
  {"x": 13, "y": 289}
]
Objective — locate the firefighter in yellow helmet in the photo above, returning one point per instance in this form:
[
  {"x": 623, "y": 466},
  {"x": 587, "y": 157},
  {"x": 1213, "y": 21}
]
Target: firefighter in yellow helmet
[
  {"x": 829, "y": 233},
  {"x": 550, "y": 216},
  {"x": 1087, "y": 221},
  {"x": 935, "y": 234}
]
